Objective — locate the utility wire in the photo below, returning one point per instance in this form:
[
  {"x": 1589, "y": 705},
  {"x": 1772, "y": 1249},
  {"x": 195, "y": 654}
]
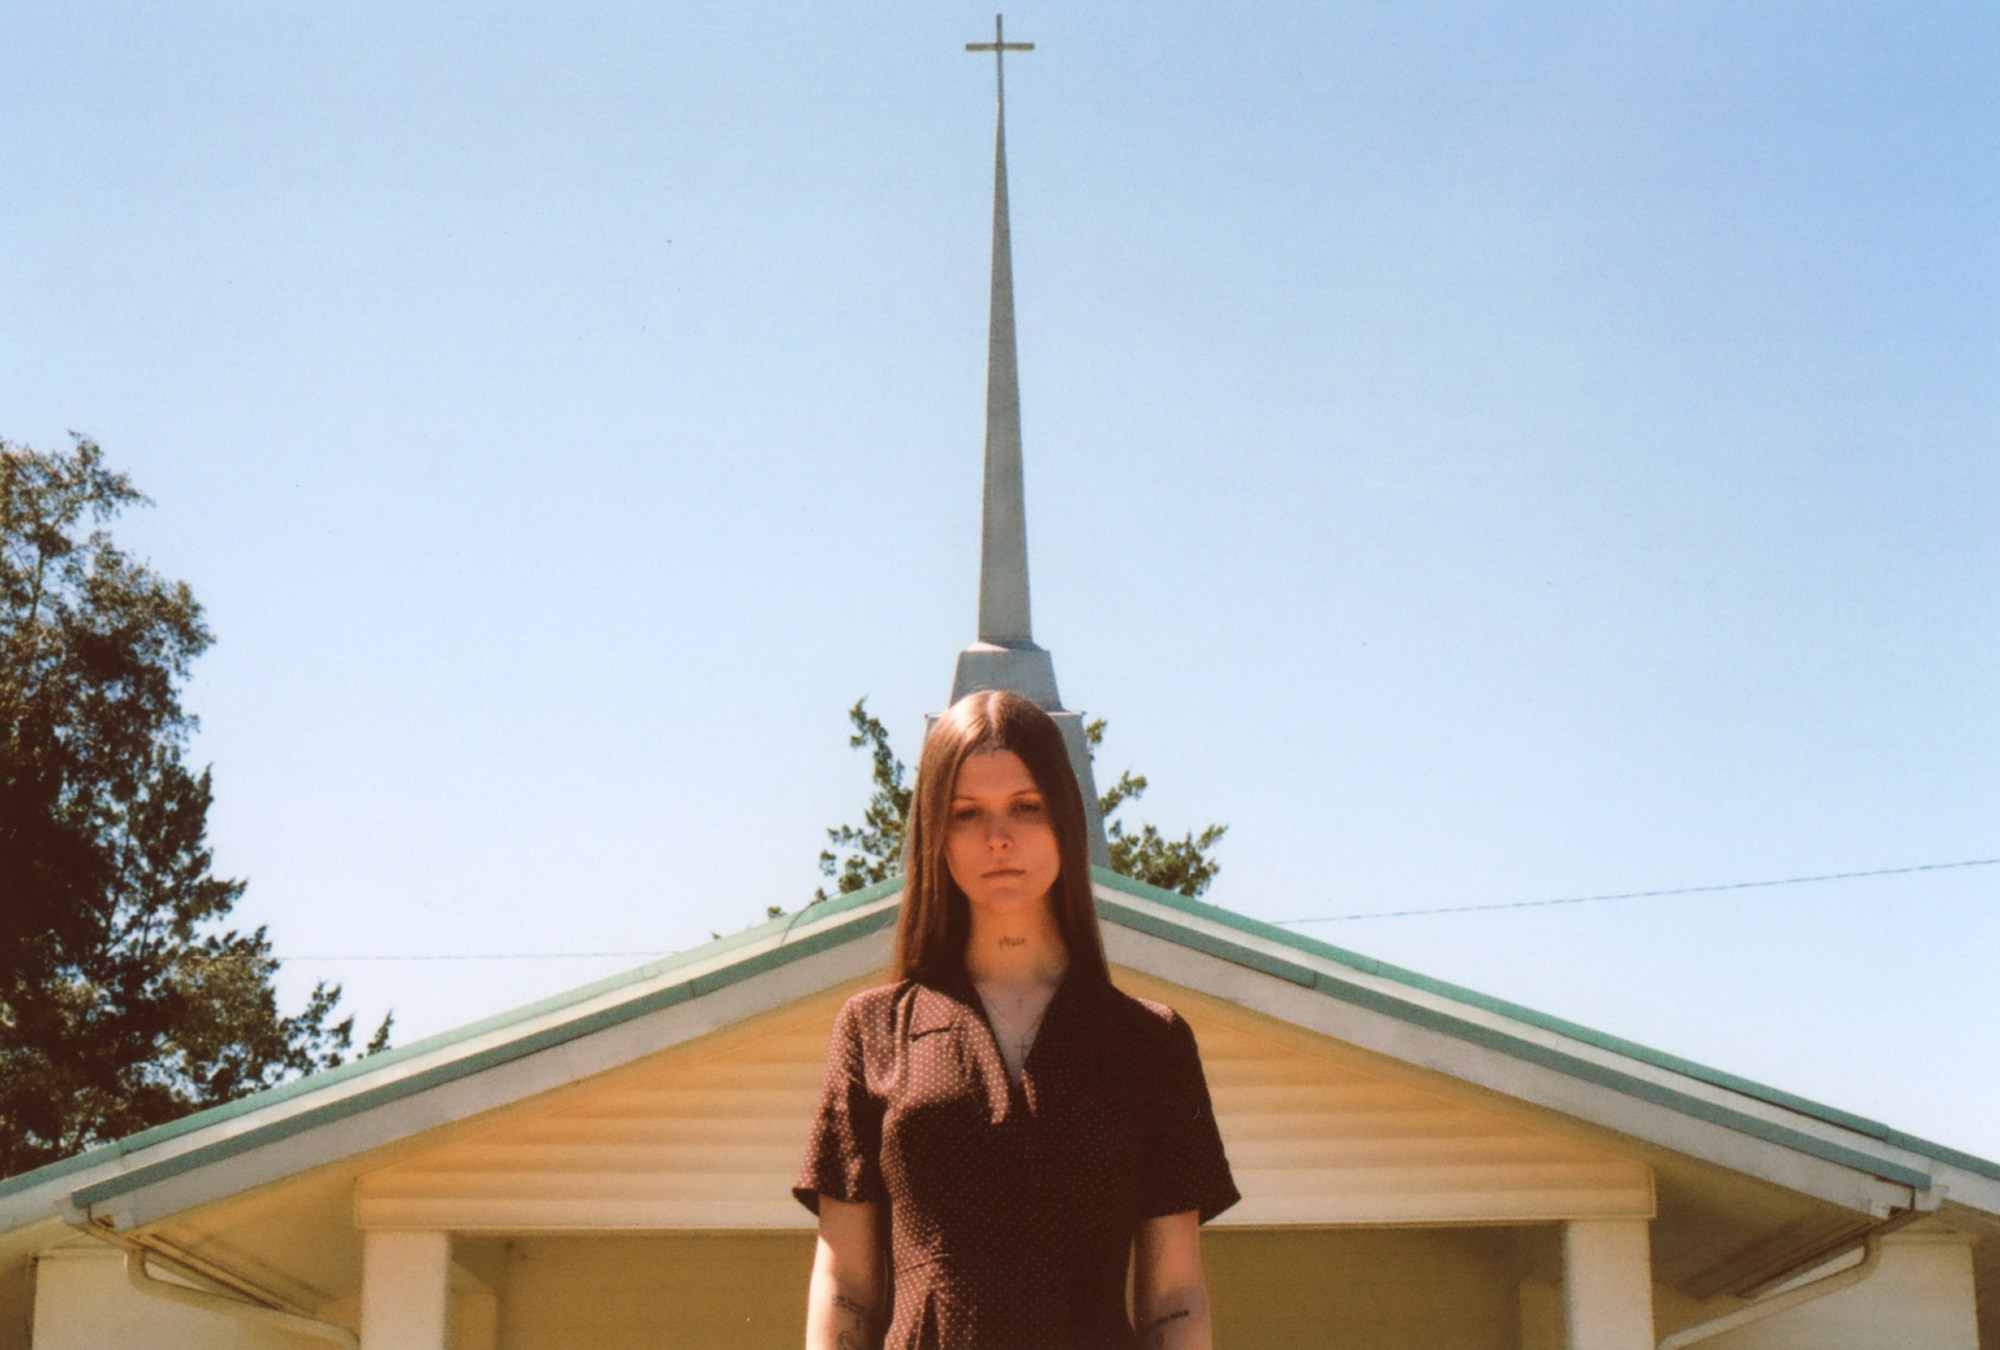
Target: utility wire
[
  {"x": 1324, "y": 918},
  {"x": 1647, "y": 895},
  {"x": 482, "y": 956}
]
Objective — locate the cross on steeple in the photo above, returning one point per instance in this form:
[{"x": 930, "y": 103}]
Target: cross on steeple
[
  {"x": 1005, "y": 655},
  {"x": 999, "y": 46}
]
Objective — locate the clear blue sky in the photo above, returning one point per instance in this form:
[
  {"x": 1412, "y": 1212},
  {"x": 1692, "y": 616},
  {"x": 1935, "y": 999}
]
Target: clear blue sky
[{"x": 1481, "y": 453}]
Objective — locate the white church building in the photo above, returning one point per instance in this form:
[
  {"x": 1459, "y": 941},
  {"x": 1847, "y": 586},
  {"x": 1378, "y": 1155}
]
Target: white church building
[{"x": 1422, "y": 1167}]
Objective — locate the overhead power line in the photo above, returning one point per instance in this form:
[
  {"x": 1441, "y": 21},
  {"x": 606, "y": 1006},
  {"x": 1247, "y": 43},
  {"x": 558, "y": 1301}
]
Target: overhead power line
[
  {"x": 484, "y": 956},
  {"x": 1646, "y": 895},
  {"x": 1324, "y": 918}
]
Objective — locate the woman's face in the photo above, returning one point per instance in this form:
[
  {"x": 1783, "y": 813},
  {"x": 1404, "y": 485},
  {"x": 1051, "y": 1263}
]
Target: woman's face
[{"x": 1000, "y": 847}]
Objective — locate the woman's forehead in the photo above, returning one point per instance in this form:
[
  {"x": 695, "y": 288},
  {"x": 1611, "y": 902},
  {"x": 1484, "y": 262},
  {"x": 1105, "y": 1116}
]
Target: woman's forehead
[{"x": 987, "y": 772}]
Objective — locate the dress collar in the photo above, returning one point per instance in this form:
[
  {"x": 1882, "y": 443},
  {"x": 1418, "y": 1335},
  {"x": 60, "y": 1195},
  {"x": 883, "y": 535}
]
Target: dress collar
[{"x": 937, "y": 1006}]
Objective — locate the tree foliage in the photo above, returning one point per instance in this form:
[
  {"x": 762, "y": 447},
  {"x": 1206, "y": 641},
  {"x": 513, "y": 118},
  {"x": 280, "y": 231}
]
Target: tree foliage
[
  {"x": 1182, "y": 864},
  {"x": 861, "y": 855},
  {"x": 125, "y": 1001}
]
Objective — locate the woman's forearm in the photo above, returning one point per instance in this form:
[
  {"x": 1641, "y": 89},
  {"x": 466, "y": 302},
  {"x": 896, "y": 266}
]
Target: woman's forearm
[
  {"x": 1176, "y": 1320},
  {"x": 1169, "y": 1288},
  {"x": 844, "y": 1298},
  {"x": 838, "y": 1320}
]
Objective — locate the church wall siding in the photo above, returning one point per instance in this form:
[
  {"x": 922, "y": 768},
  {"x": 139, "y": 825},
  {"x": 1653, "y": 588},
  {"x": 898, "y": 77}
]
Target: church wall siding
[
  {"x": 710, "y": 1136},
  {"x": 1921, "y": 1297},
  {"x": 1383, "y": 1289},
  {"x": 82, "y": 1302},
  {"x": 746, "y": 1291}
]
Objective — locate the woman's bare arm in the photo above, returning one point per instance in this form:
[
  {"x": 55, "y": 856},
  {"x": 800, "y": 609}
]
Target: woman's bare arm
[
  {"x": 844, "y": 1299},
  {"x": 1169, "y": 1290}
]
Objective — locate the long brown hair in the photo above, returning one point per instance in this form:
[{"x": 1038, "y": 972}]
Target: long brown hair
[{"x": 936, "y": 920}]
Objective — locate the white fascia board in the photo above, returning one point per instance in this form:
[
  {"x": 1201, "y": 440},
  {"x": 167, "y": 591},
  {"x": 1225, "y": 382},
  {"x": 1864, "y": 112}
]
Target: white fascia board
[
  {"x": 1548, "y": 1038},
  {"x": 1973, "y": 1190},
  {"x": 1494, "y": 1069},
  {"x": 342, "y": 1136},
  {"x": 26, "y": 1208}
]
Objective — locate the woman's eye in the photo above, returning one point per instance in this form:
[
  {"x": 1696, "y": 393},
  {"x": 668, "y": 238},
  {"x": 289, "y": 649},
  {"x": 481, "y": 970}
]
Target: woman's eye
[
  {"x": 1027, "y": 808},
  {"x": 965, "y": 815}
]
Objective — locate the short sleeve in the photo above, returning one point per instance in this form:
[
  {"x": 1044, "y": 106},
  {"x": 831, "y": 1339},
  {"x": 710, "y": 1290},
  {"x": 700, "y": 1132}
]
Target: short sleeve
[
  {"x": 1187, "y": 1168},
  {"x": 844, "y": 1148}
]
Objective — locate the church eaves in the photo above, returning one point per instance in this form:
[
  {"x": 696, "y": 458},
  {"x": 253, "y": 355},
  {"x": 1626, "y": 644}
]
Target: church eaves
[{"x": 1870, "y": 1156}]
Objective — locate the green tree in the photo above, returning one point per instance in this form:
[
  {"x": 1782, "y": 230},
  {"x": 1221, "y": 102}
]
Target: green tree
[
  {"x": 861, "y": 855},
  {"x": 1182, "y": 864},
  {"x": 125, "y": 1000},
  {"x": 872, "y": 851}
]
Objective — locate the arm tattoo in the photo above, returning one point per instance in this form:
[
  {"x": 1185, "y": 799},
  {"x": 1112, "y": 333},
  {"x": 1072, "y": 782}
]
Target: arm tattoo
[
  {"x": 851, "y": 1338},
  {"x": 1157, "y": 1328}
]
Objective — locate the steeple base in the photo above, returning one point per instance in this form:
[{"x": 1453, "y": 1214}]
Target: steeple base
[
  {"x": 1029, "y": 671},
  {"x": 1023, "y": 669}
]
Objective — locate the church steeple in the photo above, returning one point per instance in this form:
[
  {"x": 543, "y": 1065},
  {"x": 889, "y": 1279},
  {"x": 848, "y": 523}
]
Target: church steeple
[
  {"x": 1005, "y": 655},
  {"x": 1003, "y": 544}
]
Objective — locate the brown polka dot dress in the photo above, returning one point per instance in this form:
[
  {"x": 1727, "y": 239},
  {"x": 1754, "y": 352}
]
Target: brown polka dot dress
[{"x": 1012, "y": 1207}]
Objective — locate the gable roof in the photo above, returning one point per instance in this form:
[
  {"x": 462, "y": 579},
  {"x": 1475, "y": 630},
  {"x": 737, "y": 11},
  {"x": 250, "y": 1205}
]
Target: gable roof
[
  {"x": 1513, "y": 1049},
  {"x": 1414, "y": 983}
]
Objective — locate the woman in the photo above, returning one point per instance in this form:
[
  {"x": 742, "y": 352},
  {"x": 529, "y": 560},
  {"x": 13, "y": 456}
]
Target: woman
[{"x": 1001, "y": 1130}]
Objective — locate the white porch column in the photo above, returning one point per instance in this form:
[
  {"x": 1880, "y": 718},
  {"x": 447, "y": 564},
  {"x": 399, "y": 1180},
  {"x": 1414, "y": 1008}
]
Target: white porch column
[
  {"x": 1608, "y": 1284},
  {"x": 405, "y": 1289}
]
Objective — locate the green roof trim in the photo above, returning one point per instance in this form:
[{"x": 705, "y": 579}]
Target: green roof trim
[
  {"x": 1240, "y": 955},
  {"x": 818, "y": 940},
  {"x": 1367, "y": 965},
  {"x": 809, "y": 918},
  {"x": 1519, "y": 1048},
  {"x": 75, "y": 1162},
  {"x": 1945, "y": 1153},
  {"x": 812, "y": 929}
]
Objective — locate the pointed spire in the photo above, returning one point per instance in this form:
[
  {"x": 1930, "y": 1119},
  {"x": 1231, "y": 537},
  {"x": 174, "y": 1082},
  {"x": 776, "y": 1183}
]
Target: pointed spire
[
  {"x": 1005, "y": 655},
  {"x": 1003, "y": 545}
]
